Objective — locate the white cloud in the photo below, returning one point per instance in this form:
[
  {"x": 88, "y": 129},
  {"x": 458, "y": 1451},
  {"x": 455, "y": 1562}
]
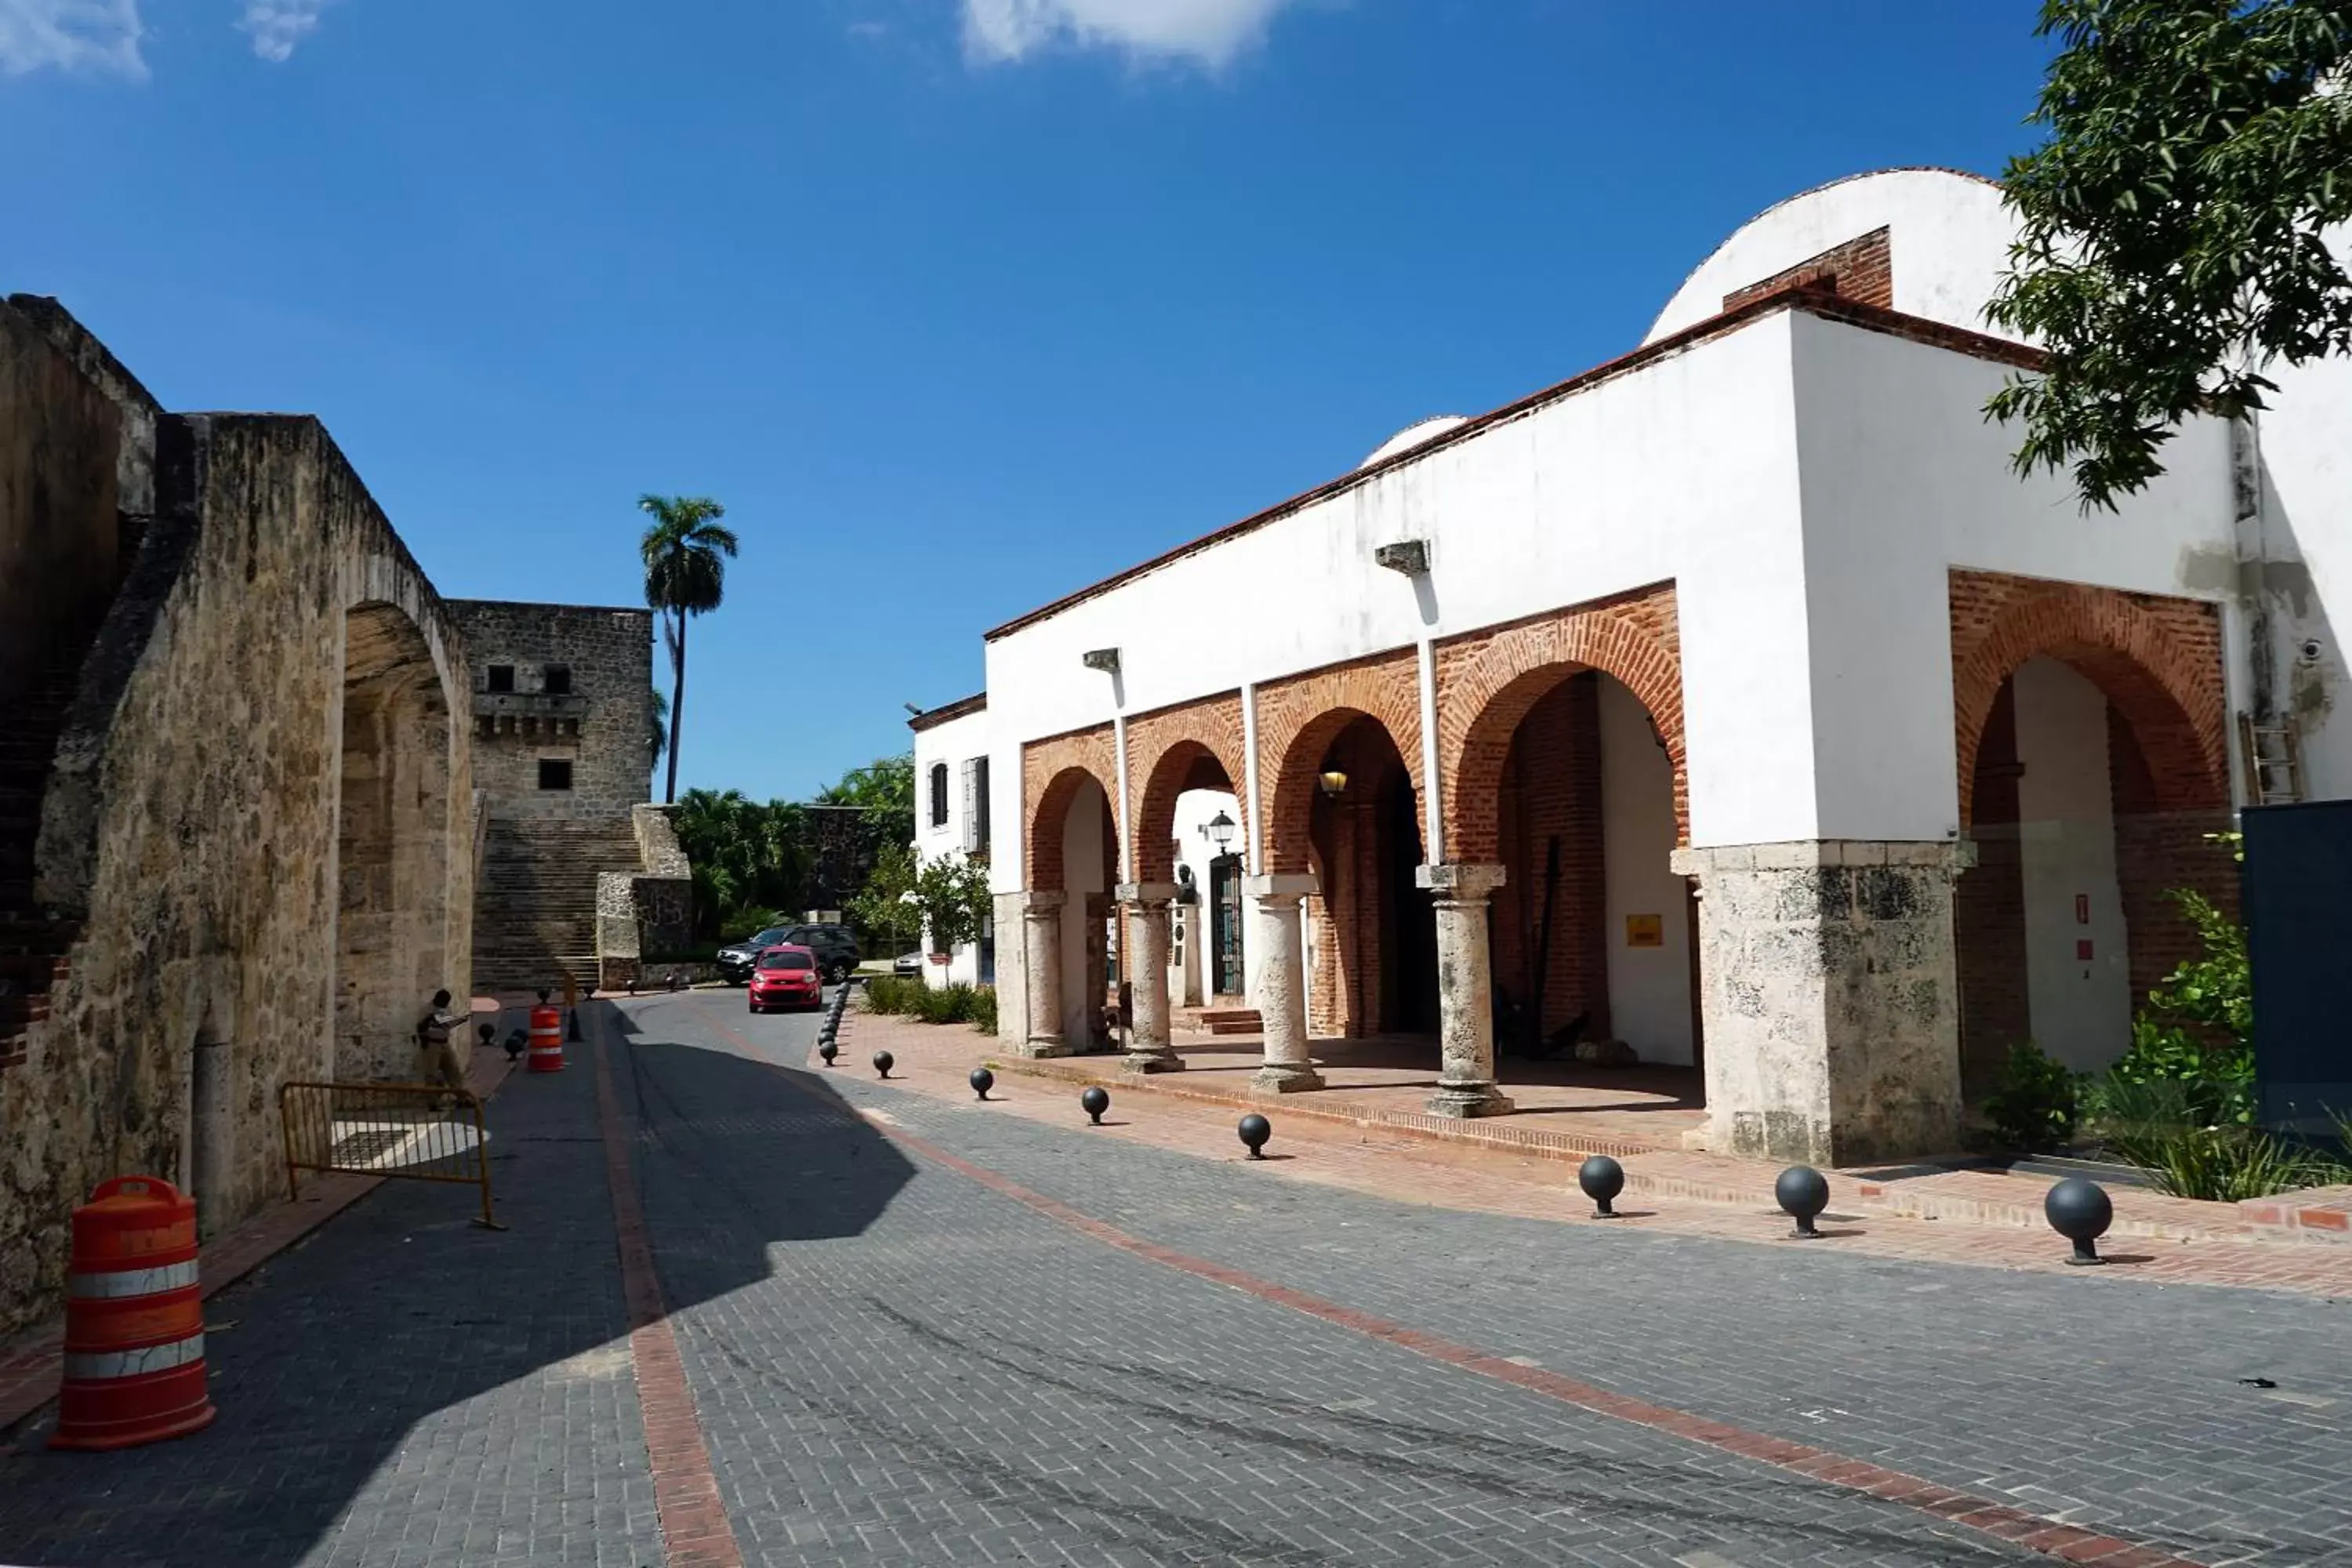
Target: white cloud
[
  {"x": 71, "y": 35},
  {"x": 1207, "y": 32},
  {"x": 277, "y": 26}
]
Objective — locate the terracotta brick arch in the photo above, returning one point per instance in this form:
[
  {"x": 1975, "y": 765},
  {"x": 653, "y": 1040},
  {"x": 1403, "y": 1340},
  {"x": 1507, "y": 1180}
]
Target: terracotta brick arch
[
  {"x": 1050, "y": 774},
  {"x": 2158, "y": 660},
  {"x": 1487, "y": 682},
  {"x": 1196, "y": 746},
  {"x": 1297, "y": 720}
]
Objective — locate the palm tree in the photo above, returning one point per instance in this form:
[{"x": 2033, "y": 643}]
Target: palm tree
[{"x": 686, "y": 551}]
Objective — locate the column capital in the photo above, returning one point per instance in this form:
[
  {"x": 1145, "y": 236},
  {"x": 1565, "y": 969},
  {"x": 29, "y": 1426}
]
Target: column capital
[
  {"x": 1947, "y": 855},
  {"x": 1280, "y": 885},
  {"x": 1461, "y": 883},
  {"x": 1146, "y": 894},
  {"x": 1045, "y": 903}
]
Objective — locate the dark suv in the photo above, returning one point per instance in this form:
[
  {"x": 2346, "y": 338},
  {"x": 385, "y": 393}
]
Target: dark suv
[
  {"x": 835, "y": 948},
  {"x": 737, "y": 960}
]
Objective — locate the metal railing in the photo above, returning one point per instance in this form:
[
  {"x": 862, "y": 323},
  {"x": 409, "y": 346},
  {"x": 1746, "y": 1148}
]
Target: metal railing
[{"x": 412, "y": 1131}]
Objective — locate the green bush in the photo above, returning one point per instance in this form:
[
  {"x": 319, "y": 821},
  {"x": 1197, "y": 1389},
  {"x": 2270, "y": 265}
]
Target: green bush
[
  {"x": 949, "y": 1005},
  {"x": 2224, "y": 1165},
  {"x": 888, "y": 993},
  {"x": 737, "y": 925},
  {"x": 983, "y": 1009},
  {"x": 2198, "y": 1028},
  {"x": 2037, "y": 1103}
]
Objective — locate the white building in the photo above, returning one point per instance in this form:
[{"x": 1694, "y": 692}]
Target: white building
[{"x": 1673, "y": 702}]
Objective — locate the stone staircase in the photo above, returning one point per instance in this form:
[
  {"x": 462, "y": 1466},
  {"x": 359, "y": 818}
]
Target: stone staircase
[
  {"x": 535, "y": 906},
  {"x": 1221, "y": 1020},
  {"x": 32, "y": 948}
]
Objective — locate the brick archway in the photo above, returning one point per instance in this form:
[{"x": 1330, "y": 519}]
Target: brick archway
[
  {"x": 1487, "y": 684},
  {"x": 2158, "y": 660},
  {"x": 1197, "y": 746},
  {"x": 1298, "y": 720},
  {"x": 1052, "y": 771}
]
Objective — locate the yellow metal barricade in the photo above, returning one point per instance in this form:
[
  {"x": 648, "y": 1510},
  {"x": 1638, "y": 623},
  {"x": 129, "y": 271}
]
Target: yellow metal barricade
[{"x": 413, "y": 1132}]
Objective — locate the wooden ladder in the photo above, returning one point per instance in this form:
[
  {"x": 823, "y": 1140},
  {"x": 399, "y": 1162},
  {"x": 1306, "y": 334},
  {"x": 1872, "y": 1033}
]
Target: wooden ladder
[{"x": 2273, "y": 760}]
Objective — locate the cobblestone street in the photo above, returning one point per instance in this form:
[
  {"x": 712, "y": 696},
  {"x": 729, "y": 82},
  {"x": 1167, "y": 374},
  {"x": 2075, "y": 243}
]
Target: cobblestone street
[{"x": 895, "y": 1327}]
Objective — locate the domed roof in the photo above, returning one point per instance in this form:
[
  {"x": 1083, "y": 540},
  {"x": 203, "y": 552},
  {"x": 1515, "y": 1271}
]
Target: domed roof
[{"x": 1413, "y": 435}]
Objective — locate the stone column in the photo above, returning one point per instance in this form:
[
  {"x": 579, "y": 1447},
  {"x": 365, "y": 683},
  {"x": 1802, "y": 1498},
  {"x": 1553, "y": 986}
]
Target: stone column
[
  {"x": 1281, "y": 983},
  {"x": 1147, "y": 905},
  {"x": 1829, "y": 998},
  {"x": 1466, "y": 992},
  {"x": 1040, "y": 941}
]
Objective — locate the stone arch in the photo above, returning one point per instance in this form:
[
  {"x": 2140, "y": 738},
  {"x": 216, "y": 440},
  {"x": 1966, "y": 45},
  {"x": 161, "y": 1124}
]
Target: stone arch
[
  {"x": 1488, "y": 683},
  {"x": 2158, "y": 661},
  {"x": 1298, "y": 722},
  {"x": 395, "y": 850},
  {"x": 1050, "y": 774},
  {"x": 1198, "y": 747}
]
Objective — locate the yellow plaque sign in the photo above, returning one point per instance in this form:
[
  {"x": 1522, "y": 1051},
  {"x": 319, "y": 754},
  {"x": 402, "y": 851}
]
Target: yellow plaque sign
[{"x": 1646, "y": 930}]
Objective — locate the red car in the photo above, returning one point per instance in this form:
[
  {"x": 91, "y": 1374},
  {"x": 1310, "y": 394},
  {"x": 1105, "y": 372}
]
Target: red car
[{"x": 786, "y": 977}]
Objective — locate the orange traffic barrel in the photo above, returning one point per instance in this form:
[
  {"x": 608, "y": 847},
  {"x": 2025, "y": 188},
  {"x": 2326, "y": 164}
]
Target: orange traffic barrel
[
  {"x": 134, "y": 1320},
  {"x": 546, "y": 1040}
]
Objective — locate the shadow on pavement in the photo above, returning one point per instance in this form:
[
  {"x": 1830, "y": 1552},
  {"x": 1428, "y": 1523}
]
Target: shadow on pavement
[{"x": 404, "y": 1387}]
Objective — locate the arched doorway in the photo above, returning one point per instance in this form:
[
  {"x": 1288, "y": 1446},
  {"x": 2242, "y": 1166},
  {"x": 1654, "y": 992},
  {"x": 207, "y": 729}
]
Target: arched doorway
[
  {"x": 393, "y": 844},
  {"x": 1372, "y": 933},
  {"x": 1569, "y": 785},
  {"x": 1073, "y": 859},
  {"x": 2084, "y": 819},
  {"x": 1188, "y": 830}
]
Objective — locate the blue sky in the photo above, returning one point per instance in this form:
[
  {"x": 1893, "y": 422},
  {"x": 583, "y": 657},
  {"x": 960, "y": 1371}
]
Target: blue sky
[{"x": 956, "y": 304}]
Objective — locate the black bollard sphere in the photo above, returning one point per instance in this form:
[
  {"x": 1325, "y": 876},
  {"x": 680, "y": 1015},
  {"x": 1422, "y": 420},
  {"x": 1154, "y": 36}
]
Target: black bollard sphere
[
  {"x": 882, "y": 1060},
  {"x": 1255, "y": 1131},
  {"x": 1094, "y": 1102},
  {"x": 1803, "y": 1192},
  {"x": 983, "y": 1080},
  {"x": 1602, "y": 1179},
  {"x": 829, "y": 1050},
  {"x": 2080, "y": 1211}
]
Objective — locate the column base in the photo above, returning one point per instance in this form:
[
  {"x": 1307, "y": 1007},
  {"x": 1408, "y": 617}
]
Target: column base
[
  {"x": 1036, "y": 1049},
  {"x": 1464, "y": 1102},
  {"x": 1163, "y": 1060},
  {"x": 1286, "y": 1078}
]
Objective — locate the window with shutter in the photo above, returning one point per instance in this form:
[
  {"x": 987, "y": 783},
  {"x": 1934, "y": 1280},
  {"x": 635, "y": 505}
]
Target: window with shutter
[
  {"x": 939, "y": 795},
  {"x": 970, "y": 804},
  {"x": 976, "y": 815}
]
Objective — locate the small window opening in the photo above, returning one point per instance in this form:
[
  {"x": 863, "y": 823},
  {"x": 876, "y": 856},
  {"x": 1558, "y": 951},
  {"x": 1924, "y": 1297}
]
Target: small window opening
[
  {"x": 502, "y": 678},
  {"x": 556, "y": 773},
  {"x": 559, "y": 680}
]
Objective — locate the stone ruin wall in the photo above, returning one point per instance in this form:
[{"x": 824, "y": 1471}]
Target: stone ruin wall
[
  {"x": 610, "y": 654},
  {"x": 191, "y": 830}
]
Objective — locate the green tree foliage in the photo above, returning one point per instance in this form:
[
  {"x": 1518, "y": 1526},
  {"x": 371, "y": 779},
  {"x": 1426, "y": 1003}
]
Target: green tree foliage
[
  {"x": 885, "y": 909},
  {"x": 686, "y": 551},
  {"x": 750, "y": 860},
  {"x": 951, "y": 894},
  {"x": 656, "y": 726},
  {"x": 885, "y": 790},
  {"x": 2169, "y": 245}
]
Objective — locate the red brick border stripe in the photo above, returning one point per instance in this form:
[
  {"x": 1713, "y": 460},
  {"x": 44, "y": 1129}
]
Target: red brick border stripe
[
  {"x": 2030, "y": 1530},
  {"x": 695, "y": 1529},
  {"x": 2045, "y": 1536}
]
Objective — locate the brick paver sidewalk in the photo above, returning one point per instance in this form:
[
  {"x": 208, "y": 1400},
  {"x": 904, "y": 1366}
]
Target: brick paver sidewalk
[{"x": 1986, "y": 1220}]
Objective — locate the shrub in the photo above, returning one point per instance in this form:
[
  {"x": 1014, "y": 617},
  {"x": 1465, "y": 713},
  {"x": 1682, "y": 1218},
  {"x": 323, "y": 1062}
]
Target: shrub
[
  {"x": 888, "y": 993},
  {"x": 2037, "y": 1101},
  {"x": 983, "y": 1009},
  {"x": 2224, "y": 1165},
  {"x": 950, "y": 1004}
]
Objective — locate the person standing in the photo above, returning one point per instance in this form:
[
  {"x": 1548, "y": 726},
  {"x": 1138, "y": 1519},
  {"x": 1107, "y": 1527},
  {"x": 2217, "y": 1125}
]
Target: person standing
[{"x": 437, "y": 1059}]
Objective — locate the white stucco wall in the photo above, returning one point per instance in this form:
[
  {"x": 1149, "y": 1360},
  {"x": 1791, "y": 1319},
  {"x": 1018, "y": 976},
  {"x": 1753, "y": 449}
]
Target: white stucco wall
[
  {"x": 953, "y": 742},
  {"x": 1083, "y": 875},
  {"x": 1902, "y": 480},
  {"x": 1683, "y": 470},
  {"x": 1948, "y": 237},
  {"x": 1649, "y": 987},
  {"x": 2081, "y": 1011}
]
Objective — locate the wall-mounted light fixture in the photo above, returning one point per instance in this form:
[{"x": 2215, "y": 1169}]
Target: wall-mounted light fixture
[
  {"x": 1220, "y": 829},
  {"x": 1105, "y": 660},
  {"x": 1335, "y": 782},
  {"x": 1409, "y": 556}
]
